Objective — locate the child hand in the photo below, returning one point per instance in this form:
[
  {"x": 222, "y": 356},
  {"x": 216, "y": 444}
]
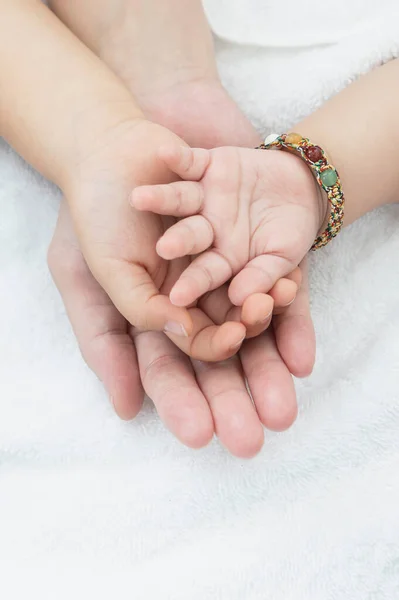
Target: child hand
[
  {"x": 251, "y": 215},
  {"x": 118, "y": 244}
]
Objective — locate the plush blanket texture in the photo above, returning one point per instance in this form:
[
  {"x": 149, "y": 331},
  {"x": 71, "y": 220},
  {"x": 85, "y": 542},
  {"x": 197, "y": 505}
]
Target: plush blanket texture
[{"x": 93, "y": 508}]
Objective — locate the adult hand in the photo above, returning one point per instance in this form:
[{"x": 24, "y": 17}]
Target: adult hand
[{"x": 193, "y": 399}]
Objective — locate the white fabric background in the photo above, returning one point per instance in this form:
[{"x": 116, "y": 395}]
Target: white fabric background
[{"x": 91, "y": 507}]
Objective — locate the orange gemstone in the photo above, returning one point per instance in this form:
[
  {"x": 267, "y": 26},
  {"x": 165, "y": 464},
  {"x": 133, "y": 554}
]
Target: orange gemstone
[{"x": 293, "y": 138}]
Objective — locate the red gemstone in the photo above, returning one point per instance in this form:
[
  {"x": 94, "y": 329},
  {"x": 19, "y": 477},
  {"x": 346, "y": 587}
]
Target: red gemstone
[{"x": 314, "y": 153}]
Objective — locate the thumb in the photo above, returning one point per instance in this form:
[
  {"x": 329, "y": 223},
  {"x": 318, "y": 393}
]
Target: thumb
[{"x": 137, "y": 298}]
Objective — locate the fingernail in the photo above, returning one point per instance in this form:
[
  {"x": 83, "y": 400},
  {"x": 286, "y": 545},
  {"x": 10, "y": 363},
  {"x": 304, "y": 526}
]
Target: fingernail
[
  {"x": 265, "y": 319},
  {"x": 238, "y": 344},
  {"x": 289, "y": 303},
  {"x": 175, "y": 328}
]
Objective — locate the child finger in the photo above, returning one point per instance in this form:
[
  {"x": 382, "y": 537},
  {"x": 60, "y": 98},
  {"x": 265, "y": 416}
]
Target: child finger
[
  {"x": 209, "y": 342},
  {"x": 296, "y": 275},
  {"x": 178, "y": 199},
  {"x": 188, "y": 163},
  {"x": 256, "y": 314},
  {"x": 137, "y": 298},
  {"x": 187, "y": 237},
  {"x": 259, "y": 275},
  {"x": 207, "y": 272},
  {"x": 218, "y": 307},
  {"x": 283, "y": 293}
]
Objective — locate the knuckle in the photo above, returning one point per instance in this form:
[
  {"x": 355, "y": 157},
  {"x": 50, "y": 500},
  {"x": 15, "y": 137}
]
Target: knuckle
[
  {"x": 159, "y": 366},
  {"x": 177, "y": 198},
  {"x": 140, "y": 316},
  {"x": 200, "y": 196},
  {"x": 266, "y": 277},
  {"x": 209, "y": 232},
  {"x": 187, "y": 160},
  {"x": 206, "y": 275}
]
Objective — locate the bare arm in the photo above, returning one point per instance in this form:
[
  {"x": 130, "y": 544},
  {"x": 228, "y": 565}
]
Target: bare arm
[
  {"x": 55, "y": 95},
  {"x": 359, "y": 129}
]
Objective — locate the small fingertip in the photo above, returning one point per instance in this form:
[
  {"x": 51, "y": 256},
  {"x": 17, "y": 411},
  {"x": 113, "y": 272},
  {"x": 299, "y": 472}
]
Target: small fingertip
[
  {"x": 182, "y": 328},
  {"x": 175, "y": 328},
  {"x": 179, "y": 297},
  {"x": 138, "y": 198},
  {"x": 257, "y": 309},
  {"x": 289, "y": 303},
  {"x": 284, "y": 293},
  {"x": 237, "y": 345},
  {"x": 160, "y": 250},
  {"x": 178, "y": 322},
  {"x": 235, "y": 298},
  {"x": 133, "y": 199},
  {"x": 167, "y": 249},
  {"x": 231, "y": 336}
]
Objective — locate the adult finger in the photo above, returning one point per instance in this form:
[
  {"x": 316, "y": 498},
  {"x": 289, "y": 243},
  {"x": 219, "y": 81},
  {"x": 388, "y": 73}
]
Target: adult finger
[
  {"x": 101, "y": 331},
  {"x": 237, "y": 424},
  {"x": 294, "y": 331},
  {"x": 169, "y": 381},
  {"x": 270, "y": 382},
  {"x": 208, "y": 341},
  {"x": 136, "y": 296}
]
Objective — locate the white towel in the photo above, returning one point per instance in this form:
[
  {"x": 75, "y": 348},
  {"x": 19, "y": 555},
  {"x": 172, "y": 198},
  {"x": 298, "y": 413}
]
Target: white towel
[
  {"x": 93, "y": 508},
  {"x": 290, "y": 23}
]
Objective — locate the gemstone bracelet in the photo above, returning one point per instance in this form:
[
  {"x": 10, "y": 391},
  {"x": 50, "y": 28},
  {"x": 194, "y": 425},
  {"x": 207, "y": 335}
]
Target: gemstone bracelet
[{"x": 326, "y": 175}]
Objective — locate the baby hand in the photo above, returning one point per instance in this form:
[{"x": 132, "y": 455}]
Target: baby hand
[
  {"x": 251, "y": 215},
  {"x": 118, "y": 243}
]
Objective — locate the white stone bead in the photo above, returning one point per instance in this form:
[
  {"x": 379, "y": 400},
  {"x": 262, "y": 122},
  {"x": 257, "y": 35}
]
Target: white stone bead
[{"x": 271, "y": 138}]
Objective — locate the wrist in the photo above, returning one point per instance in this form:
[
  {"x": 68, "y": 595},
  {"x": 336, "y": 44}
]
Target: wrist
[
  {"x": 318, "y": 198},
  {"x": 57, "y": 98},
  {"x": 121, "y": 158},
  {"x": 307, "y": 190},
  {"x": 325, "y": 174},
  {"x": 324, "y": 208},
  {"x": 92, "y": 130}
]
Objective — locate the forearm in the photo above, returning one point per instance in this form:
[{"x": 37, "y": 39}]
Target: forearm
[
  {"x": 55, "y": 95},
  {"x": 166, "y": 32},
  {"x": 359, "y": 130}
]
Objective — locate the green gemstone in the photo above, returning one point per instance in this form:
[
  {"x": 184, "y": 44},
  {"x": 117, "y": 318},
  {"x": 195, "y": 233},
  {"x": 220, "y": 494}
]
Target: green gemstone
[{"x": 329, "y": 177}]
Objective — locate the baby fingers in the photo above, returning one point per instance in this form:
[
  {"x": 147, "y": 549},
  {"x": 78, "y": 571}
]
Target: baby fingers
[
  {"x": 284, "y": 292},
  {"x": 256, "y": 314},
  {"x": 206, "y": 273},
  {"x": 209, "y": 342},
  {"x": 179, "y": 199},
  {"x": 188, "y": 163},
  {"x": 260, "y": 275},
  {"x": 187, "y": 237}
]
